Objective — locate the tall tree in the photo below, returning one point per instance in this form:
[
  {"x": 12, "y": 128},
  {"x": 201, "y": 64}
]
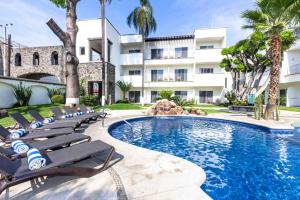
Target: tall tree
[
  {"x": 69, "y": 40},
  {"x": 143, "y": 21},
  {"x": 103, "y": 53},
  {"x": 273, "y": 18},
  {"x": 248, "y": 58}
]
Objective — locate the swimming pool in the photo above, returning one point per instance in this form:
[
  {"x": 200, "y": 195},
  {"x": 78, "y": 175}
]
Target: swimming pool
[{"x": 241, "y": 161}]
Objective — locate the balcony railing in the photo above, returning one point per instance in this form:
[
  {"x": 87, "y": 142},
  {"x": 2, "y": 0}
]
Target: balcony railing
[
  {"x": 294, "y": 69},
  {"x": 132, "y": 59},
  {"x": 208, "y": 55},
  {"x": 171, "y": 54}
]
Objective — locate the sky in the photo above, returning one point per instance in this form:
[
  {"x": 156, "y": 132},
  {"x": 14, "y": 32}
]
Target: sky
[{"x": 174, "y": 17}]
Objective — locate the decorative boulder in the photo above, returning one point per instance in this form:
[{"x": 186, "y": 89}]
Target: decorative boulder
[{"x": 165, "y": 107}]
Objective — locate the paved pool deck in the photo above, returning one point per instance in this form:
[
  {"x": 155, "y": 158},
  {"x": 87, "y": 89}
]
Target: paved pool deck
[{"x": 141, "y": 175}]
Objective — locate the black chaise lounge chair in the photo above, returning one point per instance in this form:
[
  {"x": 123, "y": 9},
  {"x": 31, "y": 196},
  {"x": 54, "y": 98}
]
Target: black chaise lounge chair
[
  {"x": 58, "y": 114},
  {"x": 16, "y": 171},
  {"x": 56, "y": 124},
  {"x": 70, "y": 110},
  {"x": 22, "y": 121},
  {"x": 84, "y": 109},
  {"x": 47, "y": 144},
  {"x": 38, "y": 134}
]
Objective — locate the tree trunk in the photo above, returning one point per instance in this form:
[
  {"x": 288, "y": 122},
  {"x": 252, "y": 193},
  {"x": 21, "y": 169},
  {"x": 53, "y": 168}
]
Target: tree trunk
[
  {"x": 274, "y": 76},
  {"x": 143, "y": 73},
  {"x": 71, "y": 61},
  {"x": 103, "y": 53},
  {"x": 124, "y": 95}
]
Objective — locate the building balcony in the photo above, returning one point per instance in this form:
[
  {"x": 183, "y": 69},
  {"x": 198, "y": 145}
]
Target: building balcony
[
  {"x": 210, "y": 34},
  {"x": 126, "y": 39},
  {"x": 208, "y": 56},
  {"x": 132, "y": 59},
  {"x": 168, "y": 84},
  {"x": 135, "y": 80},
  {"x": 210, "y": 80}
]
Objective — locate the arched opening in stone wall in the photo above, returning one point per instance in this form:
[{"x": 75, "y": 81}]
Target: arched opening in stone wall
[
  {"x": 36, "y": 59},
  {"x": 41, "y": 77},
  {"x": 54, "y": 58},
  {"x": 18, "y": 60}
]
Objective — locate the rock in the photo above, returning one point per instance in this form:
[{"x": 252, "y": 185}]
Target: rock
[
  {"x": 165, "y": 107},
  {"x": 200, "y": 112},
  {"x": 3, "y": 113}
]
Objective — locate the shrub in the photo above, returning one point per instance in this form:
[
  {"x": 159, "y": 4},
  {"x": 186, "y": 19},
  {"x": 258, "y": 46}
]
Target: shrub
[
  {"x": 124, "y": 87},
  {"x": 122, "y": 101},
  {"x": 231, "y": 97},
  {"x": 22, "y": 95},
  {"x": 56, "y": 91},
  {"x": 89, "y": 100},
  {"x": 166, "y": 94},
  {"x": 60, "y": 99},
  {"x": 82, "y": 91}
]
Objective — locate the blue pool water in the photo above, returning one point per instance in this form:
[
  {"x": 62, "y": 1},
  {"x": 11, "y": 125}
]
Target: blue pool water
[{"x": 241, "y": 161}]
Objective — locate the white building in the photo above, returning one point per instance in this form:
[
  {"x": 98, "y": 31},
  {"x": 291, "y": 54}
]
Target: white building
[
  {"x": 290, "y": 76},
  {"x": 188, "y": 64}
]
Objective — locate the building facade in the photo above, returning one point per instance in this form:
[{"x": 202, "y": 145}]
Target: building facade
[{"x": 186, "y": 64}]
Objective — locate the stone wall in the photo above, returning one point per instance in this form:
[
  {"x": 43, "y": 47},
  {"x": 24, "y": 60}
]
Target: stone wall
[
  {"x": 45, "y": 66},
  {"x": 92, "y": 71}
]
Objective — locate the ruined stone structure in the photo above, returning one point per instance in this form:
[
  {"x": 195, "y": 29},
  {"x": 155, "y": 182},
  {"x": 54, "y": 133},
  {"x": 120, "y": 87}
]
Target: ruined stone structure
[{"x": 39, "y": 62}]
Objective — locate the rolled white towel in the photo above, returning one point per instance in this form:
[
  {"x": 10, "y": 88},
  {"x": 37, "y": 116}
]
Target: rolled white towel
[
  {"x": 48, "y": 120},
  {"x": 36, "y": 125},
  {"x": 35, "y": 159},
  {"x": 77, "y": 114},
  {"x": 17, "y": 134},
  {"x": 19, "y": 147}
]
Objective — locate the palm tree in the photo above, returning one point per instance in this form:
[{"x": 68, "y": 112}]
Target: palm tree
[
  {"x": 124, "y": 87},
  {"x": 274, "y": 18},
  {"x": 69, "y": 40},
  {"x": 103, "y": 53},
  {"x": 144, "y": 22}
]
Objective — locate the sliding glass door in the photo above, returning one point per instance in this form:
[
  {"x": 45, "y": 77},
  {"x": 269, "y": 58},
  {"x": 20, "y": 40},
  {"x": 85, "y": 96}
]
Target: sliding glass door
[{"x": 206, "y": 96}]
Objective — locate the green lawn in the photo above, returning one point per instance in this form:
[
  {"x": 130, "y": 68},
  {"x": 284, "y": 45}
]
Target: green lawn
[
  {"x": 125, "y": 107},
  {"x": 44, "y": 110},
  {"x": 208, "y": 106},
  {"x": 212, "y": 111},
  {"x": 295, "y": 109}
]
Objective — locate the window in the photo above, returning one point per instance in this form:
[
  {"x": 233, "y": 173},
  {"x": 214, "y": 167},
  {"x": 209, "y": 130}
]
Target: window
[
  {"x": 181, "y": 52},
  {"x": 206, "y": 96},
  {"x": 157, "y": 75},
  {"x": 134, "y": 72},
  {"x": 206, "y": 70},
  {"x": 54, "y": 58},
  {"x": 134, "y": 96},
  {"x": 180, "y": 74},
  {"x": 154, "y": 96},
  {"x": 157, "y": 53},
  {"x": 18, "y": 59},
  {"x": 134, "y": 51},
  {"x": 95, "y": 88},
  {"x": 206, "y": 46},
  {"x": 181, "y": 94},
  {"x": 82, "y": 50},
  {"x": 36, "y": 59}
]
